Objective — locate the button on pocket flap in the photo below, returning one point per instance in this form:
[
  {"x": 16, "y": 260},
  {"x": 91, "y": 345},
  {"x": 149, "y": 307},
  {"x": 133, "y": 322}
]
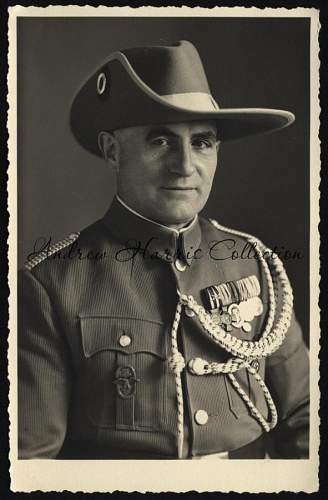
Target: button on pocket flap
[{"x": 127, "y": 335}]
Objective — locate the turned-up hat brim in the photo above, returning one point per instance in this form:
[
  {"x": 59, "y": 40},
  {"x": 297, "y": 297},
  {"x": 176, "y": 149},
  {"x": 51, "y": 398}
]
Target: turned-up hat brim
[{"x": 116, "y": 96}]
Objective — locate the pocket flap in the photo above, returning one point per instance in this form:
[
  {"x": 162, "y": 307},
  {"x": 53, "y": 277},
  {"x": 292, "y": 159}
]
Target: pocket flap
[{"x": 105, "y": 333}]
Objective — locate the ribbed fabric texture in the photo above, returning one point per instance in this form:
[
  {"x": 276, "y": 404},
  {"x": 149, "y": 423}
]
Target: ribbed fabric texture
[{"x": 73, "y": 314}]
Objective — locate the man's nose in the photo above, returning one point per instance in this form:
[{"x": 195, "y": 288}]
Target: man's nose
[{"x": 183, "y": 161}]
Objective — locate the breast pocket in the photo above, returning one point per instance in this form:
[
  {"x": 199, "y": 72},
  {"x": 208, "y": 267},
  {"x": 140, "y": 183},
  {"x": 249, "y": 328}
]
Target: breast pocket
[{"x": 124, "y": 372}]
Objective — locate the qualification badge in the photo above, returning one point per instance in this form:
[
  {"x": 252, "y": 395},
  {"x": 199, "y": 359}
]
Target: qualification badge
[{"x": 235, "y": 303}]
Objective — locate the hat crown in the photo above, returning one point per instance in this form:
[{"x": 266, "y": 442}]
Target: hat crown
[
  {"x": 154, "y": 86},
  {"x": 175, "y": 69}
]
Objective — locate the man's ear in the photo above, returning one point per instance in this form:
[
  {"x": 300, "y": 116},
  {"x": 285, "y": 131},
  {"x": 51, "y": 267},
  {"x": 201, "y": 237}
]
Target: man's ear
[{"x": 110, "y": 148}]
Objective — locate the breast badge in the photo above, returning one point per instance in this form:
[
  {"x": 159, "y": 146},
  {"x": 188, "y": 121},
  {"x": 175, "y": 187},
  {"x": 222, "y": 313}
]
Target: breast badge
[
  {"x": 234, "y": 303},
  {"x": 125, "y": 381}
]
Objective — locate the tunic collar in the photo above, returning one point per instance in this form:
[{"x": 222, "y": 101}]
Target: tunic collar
[{"x": 134, "y": 230}]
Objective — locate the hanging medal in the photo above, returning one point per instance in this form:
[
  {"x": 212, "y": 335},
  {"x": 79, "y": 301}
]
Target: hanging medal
[{"x": 234, "y": 303}]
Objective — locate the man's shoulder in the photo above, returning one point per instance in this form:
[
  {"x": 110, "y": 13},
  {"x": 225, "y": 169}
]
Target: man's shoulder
[
  {"x": 49, "y": 249},
  {"x": 212, "y": 227},
  {"x": 234, "y": 250},
  {"x": 80, "y": 245}
]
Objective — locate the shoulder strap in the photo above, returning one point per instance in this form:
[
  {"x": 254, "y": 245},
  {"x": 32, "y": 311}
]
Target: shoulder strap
[{"x": 55, "y": 247}]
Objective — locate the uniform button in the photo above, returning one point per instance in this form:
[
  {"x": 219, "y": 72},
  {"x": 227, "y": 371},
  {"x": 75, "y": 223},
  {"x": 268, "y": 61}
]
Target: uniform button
[
  {"x": 124, "y": 340},
  {"x": 201, "y": 417},
  {"x": 180, "y": 265},
  {"x": 198, "y": 366},
  {"x": 189, "y": 312},
  {"x": 255, "y": 364}
]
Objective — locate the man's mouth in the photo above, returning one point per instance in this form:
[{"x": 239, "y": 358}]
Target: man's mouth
[{"x": 178, "y": 188}]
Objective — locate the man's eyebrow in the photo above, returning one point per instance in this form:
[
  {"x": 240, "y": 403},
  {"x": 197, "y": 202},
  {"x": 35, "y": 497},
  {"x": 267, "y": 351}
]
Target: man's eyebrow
[
  {"x": 210, "y": 134},
  {"x": 158, "y": 131}
]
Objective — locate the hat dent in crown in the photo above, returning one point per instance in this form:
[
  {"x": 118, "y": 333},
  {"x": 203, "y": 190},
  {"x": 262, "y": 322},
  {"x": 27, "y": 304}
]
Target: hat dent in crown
[
  {"x": 167, "y": 70},
  {"x": 157, "y": 85}
]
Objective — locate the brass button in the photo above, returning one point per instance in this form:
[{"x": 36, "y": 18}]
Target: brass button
[
  {"x": 201, "y": 417},
  {"x": 124, "y": 340},
  {"x": 180, "y": 265},
  {"x": 189, "y": 312},
  {"x": 255, "y": 364}
]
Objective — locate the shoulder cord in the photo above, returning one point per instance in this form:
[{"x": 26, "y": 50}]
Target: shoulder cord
[
  {"x": 55, "y": 247},
  {"x": 243, "y": 352},
  {"x": 177, "y": 364}
]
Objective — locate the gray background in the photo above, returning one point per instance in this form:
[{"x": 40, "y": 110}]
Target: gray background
[{"x": 262, "y": 183}]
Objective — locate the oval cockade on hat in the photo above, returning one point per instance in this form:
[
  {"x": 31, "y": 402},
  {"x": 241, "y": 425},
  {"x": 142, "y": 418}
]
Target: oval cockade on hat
[
  {"x": 101, "y": 83},
  {"x": 159, "y": 85}
]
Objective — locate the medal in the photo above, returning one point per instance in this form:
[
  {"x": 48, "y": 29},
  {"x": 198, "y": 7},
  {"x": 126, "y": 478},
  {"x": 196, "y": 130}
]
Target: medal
[
  {"x": 237, "y": 319},
  {"x": 234, "y": 303}
]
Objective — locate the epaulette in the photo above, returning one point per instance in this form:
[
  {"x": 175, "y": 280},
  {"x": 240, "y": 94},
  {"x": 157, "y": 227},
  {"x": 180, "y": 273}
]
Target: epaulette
[{"x": 55, "y": 247}]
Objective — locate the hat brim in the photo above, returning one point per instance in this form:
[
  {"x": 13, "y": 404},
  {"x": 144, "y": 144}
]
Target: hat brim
[{"x": 136, "y": 104}]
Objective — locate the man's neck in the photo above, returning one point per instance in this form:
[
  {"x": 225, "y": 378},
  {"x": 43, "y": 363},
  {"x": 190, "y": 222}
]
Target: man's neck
[{"x": 179, "y": 228}]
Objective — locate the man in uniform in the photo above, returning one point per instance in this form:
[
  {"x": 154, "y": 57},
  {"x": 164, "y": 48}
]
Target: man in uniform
[{"x": 141, "y": 336}]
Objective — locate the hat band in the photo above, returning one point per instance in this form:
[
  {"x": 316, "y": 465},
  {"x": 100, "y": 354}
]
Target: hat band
[{"x": 192, "y": 101}]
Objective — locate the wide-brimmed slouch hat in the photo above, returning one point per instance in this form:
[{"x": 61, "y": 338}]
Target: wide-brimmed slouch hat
[{"x": 159, "y": 85}]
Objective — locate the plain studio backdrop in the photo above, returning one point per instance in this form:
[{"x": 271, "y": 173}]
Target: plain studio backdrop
[{"x": 262, "y": 183}]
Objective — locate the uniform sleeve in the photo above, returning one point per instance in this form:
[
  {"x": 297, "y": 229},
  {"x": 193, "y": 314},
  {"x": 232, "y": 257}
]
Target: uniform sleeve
[
  {"x": 43, "y": 373},
  {"x": 287, "y": 377}
]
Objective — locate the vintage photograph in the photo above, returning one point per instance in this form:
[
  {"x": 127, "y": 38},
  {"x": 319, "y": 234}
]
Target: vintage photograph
[{"x": 165, "y": 306}]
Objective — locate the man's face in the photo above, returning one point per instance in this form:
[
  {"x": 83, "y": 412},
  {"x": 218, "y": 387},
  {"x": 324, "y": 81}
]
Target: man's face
[{"x": 166, "y": 172}]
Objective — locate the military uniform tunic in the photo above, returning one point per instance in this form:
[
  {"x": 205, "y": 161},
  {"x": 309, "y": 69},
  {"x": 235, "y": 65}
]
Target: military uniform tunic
[{"x": 95, "y": 322}]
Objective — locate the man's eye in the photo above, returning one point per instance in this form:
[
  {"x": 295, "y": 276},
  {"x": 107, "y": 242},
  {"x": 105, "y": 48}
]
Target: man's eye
[
  {"x": 202, "y": 144},
  {"x": 160, "y": 141}
]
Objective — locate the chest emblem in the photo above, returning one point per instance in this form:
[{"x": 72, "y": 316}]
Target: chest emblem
[
  {"x": 234, "y": 303},
  {"x": 125, "y": 381}
]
